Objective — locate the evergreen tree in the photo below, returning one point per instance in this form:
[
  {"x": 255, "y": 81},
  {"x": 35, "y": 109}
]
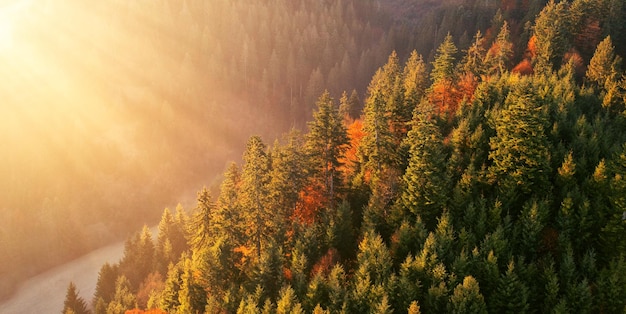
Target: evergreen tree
[
  {"x": 287, "y": 181},
  {"x": 73, "y": 303},
  {"x": 164, "y": 250},
  {"x": 254, "y": 180},
  {"x": 511, "y": 295},
  {"x": 604, "y": 72},
  {"x": 501, "y": 52},
  {"x": 228, "y": 210},
  {"x": 602, "y": 66},
  {"x": 201, "y": 227},
  {"x": 467, "y": 298},
  {"x": 326, "y": 143},
  {"x": 191, "y": 297},
  {"x": 520, "y": 151},
  {"x": 425, "y": 184},
  {"x": 105, "y": 287},
  {"x": 551, "y": 34},
  {"x": 473, "y": 60},
  {"x": 443, "y": 77},
  {"x": 169, "y": 300},
  {"x": 124, "y": 299},
  {"x": 415, "y": 80}
]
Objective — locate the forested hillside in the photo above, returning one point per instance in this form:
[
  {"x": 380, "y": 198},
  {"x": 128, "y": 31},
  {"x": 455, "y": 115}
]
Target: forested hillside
[
  {"x": 115, "y": 108},
  {"x": 483, "y": 181}
]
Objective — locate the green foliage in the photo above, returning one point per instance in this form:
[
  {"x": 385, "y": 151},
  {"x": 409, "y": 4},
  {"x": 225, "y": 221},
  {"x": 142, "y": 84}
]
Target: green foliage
[
  {"x": 74, "y": 303},
  {"x": 520, "y": 150},
  {"x": 552, "y": 38},
  {"x": 425, "y": 183},
  {"x": 326, "y": 143},
  {"x": 443, "y": 66},
  {"x": 123, "y": 299},
  {"x": 201, "y": 223},
  {"x": 105, "y": 287},
  {"x": 511, "y": 295},
  {"x": 513, "y": 203},
  {"x": 467, "y": 298}
]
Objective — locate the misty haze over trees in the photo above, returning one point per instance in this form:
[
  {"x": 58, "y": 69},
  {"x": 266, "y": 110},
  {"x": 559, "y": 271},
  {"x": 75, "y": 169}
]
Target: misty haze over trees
[{"x": 464, "y": 156}]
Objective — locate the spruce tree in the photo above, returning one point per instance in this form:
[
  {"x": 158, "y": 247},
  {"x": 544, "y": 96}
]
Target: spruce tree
[
  {"x": 511, "y": 295},
  {"x": 425, "y": 184},
  {"x": 551, "y": 31},
  {"x": 443, "y": 77},
  {"x": 201, "y": 227},
  {"x": 520, "y": 150},
  {"x": 326, "y": 143},
  {"x": 74, "y": 303},
  {"x": 467, "y": 298},
  {"x": 254, "y": 181}
]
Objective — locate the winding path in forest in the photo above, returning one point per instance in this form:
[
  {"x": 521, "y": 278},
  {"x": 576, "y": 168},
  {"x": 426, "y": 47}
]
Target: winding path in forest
[{"x": 45, "y": 293}]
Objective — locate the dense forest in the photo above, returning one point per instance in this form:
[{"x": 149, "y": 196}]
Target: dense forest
[
  {"x": 488, "y": 177},
  {"x": 111, "y": 110}
]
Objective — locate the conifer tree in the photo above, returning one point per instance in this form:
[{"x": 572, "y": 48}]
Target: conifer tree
[
  {"x": 228, "y": 209},
  {"x": 443, "y": 77},
  {"x": 326, "y": 143},
  {"x": 473, "y": 62},
  {"x": 467, "y": 298},
  {"x": 551, "y": 33},
  {"x": 164, "y": 250},
  {"x": 377, "y": 144},
  {"x": 604, "y": 72},
  {"x": 415, "y": 79},
  {"x": 123, "y": 299},
  {"x": 501, "y": 52},
  {"x": 511, "y": 295},
  {"x": 74, "y": 303},
  {"x": 254, "y": 180},
  {"x": 201, "y": 227},
  {"x": 105, "y": 287},
  {"x": 604, "y": 64},
  {"x": 425, "y": 185},
  {"x": 191, "y": 297},
  {"x": 169, "y": 300},
  {"x": 520, "y": 150}
]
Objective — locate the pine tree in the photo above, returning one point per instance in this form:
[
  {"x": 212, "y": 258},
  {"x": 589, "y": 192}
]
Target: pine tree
[
  {"x": 443, "y": 77},
  {"x": 73, "y": 303},
  {"x": 105, "y": 287},
  {"x": 124, "y": 299},
  {"x": 500, "y": 52},
  {"x": 604, "y": 64},
  {"x": 169, "y": 300},
  {"x": 414, "y": 308},
  {"x": 287, "y": 180},
  {"x": 511, "y": 295},
  {"x": 164, "y": 250},
  {"x": 551, "y": 31},
  {"x": 473, "y": 60},
  {"x": 191, "y": 297},
  {"x": 604, "y": 72},
  {"x": 254, "y": 180},
  {"x": 327, "y": 141},
  {"x": 228, "y": 210},
  {"x": 467, "y": 298},
  {"x": 201, "y": 227},
  {"x": 520, "y": 150},
  {"x": 425, "y": 185},
  {"x": 287, "y": 301},
  {"x": 415, "y": 80}
]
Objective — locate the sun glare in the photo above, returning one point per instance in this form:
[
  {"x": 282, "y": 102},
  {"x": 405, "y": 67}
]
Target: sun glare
[{"x": 6, "y": 35}]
